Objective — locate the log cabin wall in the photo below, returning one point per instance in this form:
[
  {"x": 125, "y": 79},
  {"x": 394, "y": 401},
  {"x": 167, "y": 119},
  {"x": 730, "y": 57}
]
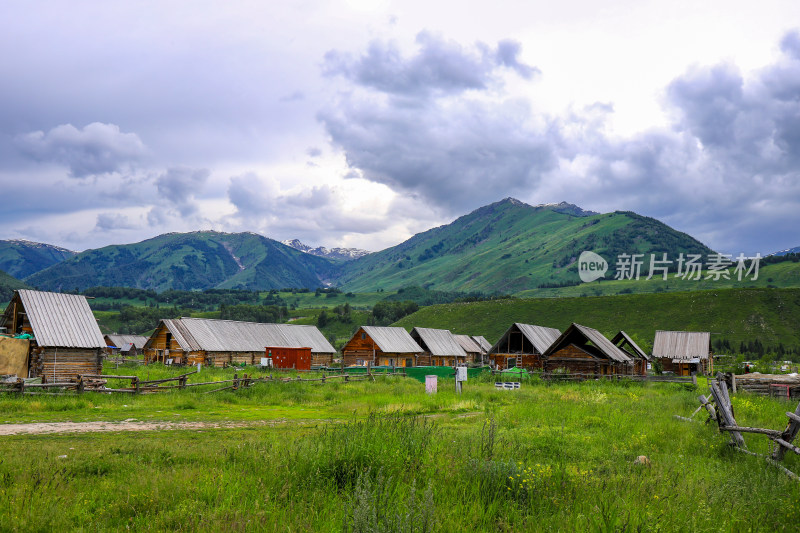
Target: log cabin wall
[
  {"x": 161, "y": 350},
  {"x": 359, "y": 350},
  {"x": 575, "y": 360},
  {"x": 63, "y": 364},
  {"x": 321, "y": 359}
]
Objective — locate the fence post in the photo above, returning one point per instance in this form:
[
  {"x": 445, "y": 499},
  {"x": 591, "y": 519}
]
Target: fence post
[
  {"x": 694, "y": 379},
  {"x": 136, "y": 385},
  {"x": 236, "y": 381},
  {"x": 81, "y": 384},
  {"x": 323, "y": 376},
  {"x": 21, "y": 383}
]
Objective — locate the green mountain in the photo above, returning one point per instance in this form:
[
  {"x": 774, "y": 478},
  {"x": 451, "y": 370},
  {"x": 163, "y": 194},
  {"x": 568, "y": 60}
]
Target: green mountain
[
  {"x": 510, "y": 246},
  {"x": 22, "y": 258},
  {"x": 771, "y": 316},
  {"x": 189, "y": 261},
  {"x": 8, "y": 284}
]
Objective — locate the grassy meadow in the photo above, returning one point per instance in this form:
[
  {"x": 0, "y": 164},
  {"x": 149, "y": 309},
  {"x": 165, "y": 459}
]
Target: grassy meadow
[
  {"x": 771, "y": 315},
  {"x": 384, "y": 456}
]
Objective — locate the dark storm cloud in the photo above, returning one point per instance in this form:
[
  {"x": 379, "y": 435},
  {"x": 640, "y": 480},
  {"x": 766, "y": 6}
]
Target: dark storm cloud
[
  {"x": 178, "y": 187},
  {"x": 438, "y": 67},
  {"x": 96, "y": 149},
  {"x": 448, "y": 154},
  {"x": 428, "y": 137},
  {"x": 112, "y": 221}
]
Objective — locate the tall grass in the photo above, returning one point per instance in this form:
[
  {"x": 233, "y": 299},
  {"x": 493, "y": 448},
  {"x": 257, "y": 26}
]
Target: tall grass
[{"x": 545, "y": 457}]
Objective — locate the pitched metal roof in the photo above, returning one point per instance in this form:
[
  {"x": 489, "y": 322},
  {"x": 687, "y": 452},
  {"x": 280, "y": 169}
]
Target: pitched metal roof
[
  {"x": 61, "y": 320},
  {"x": 392, "y": 339},
  {"x": 468, "y": 344},
  {"x": 120, "y": 340},
  {"x": 539, "y": 336},
  {"x": 622, "y": 338},
  {"x": 682, "y": 344},
  {"x": 307, "y": 335},
  {"x": 212, "y": 335},
  {"x": 605, "y": 346},
  {"x": 439, "y": 342},
  {"x": 482, "y": 342}
]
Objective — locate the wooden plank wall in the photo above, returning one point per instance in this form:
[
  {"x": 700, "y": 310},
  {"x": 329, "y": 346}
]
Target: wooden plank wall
[{"x": 63, "y": 364}]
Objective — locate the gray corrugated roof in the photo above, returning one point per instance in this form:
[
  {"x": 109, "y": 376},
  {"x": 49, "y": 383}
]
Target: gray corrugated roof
[
  {"x": 482, "y": 342},
  {"x": 598, "y": 340},
  {"x": 605, "y": 345},
  {"x": 120, "y": 340},
  {"x": 539, "y": 336},
  {"x": 682, "y": 344},
  {"x": 467, "y": 343},
  {"x": 618, "y": 338},
  {"x": 439, "y": 342},
  {"x": 61, "y": 320},
  {"x": 211, "y": 335},
  {"x": 307, "y": 335},
  {"x": 392, "y": 339}
]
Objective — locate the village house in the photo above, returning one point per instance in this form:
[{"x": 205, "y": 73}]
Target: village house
[
  {"x": 473, "y": 350},
  {"x": 65, "y": 338},
  {"x": 227, "y": 342},
  {"x": 684, "y": 352},
  {"x": 624, "y": 342},
  {"x": 381, "y": 346},
  {"x": 126, "y": 345},
  {"x": 440, "y": 348},
  {"x": 583, "y": 350},
  {"x": 522, "y": 346}
]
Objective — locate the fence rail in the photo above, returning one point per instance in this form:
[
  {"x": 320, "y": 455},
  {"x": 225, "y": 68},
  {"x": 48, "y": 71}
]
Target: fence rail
[
  {"x": 720, "y": 410},
  {"x": 99, "y": 382},
  {"x": 577, "y": 376}
]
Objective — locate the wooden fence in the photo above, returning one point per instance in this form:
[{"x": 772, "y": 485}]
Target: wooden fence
[
  {"x": 88, "y": 383},
  {"x": 720, "y": 410},
  {"x": 576, "y": 376}
]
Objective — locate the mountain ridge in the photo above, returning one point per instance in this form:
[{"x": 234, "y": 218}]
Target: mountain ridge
[
  {"x": 21, "y": 258},
  {"x": 503, "y": 247}
]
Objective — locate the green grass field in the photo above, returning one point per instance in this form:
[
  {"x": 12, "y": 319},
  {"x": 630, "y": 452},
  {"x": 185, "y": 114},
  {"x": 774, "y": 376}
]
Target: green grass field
[
  {"x": 358, "y": 300},
  {"x": 385, "y": 456}
]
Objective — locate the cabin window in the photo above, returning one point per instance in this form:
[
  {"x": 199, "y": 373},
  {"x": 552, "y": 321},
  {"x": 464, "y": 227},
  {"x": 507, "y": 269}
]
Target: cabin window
[
  {"x": 511, "y": 362},
  {"x": 409, "y": 362},
  {"x": 363, "y": 336},
  {"x": 391, "y": 361}
]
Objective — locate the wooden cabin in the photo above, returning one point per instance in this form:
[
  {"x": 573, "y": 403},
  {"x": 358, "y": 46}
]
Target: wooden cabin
[
  {"x": 381, "y": 346},
  {"x": 440, "y": 348},
  {"x": 485, "y": 346},
  {"x": 473, "y": 350},
  {"x": 684, "y": 352},
  {"x": 126, "y": 345},
  {"x": 229, "y": 342},
  {"x": 66, "y": 340},
  {"x": 522, "y": 346},
  {"x": 624, "y": 342},
  {"x": 583, "y": 350}
]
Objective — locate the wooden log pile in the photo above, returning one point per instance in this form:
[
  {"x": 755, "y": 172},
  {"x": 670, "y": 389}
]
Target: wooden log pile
[{"x": 780, "y": 385}]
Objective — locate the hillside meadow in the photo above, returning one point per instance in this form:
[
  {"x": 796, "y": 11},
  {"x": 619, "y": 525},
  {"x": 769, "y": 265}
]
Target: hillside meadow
[
  {"x": 736, "y": 315},
  {"x": 384, "y": 456}
]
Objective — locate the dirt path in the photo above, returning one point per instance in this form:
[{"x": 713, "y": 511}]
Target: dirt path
[{"x": 39, "y": 428}]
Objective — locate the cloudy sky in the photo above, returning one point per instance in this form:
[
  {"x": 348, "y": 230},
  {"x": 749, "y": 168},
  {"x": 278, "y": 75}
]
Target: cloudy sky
[{"x": 361, "y": 122}]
